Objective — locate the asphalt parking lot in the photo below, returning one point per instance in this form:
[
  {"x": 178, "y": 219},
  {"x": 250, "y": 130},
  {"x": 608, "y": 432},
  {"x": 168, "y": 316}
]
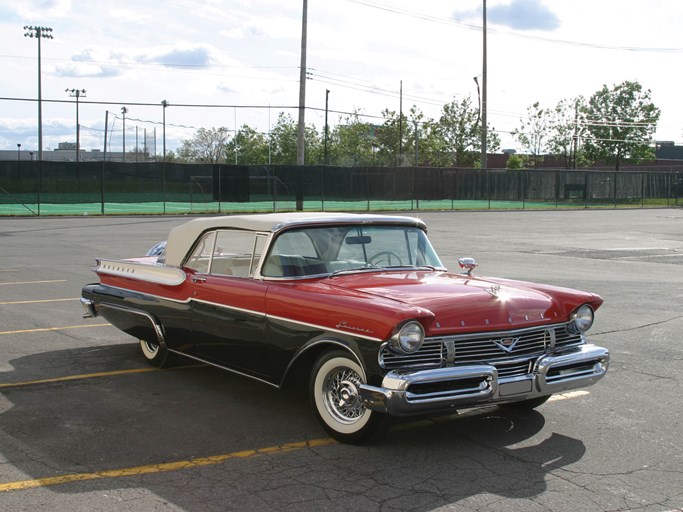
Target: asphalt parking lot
[{"x": 86, "y": 425}]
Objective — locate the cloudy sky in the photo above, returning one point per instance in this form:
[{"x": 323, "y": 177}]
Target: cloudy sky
[{"x": 234, "y": 62}]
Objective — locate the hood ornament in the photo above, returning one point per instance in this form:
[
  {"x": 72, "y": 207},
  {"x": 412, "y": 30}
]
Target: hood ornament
[{"x": 494, "y": 290}]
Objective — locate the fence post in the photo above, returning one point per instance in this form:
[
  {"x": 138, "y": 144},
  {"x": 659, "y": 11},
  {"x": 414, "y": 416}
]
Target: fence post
[
  {"x": 163, "y": 184},
  {"x": 367, "y": 188},
  {"x": 488, "y": 187},
  {"x": 642, "y": 189},
  {"x": 585, "y": 188}
]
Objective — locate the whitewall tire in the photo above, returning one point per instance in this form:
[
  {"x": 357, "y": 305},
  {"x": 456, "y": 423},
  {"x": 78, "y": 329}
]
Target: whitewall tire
[{"x": 336, "y": 399}]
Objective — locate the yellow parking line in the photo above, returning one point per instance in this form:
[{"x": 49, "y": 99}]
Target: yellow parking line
[
  {"x": 9, "y": 269},
  {"x": 33, "y": 301},
  {"x": 164, "y": 467},
  {"x": 35, "y": 282},
  {"x": 46, "y": 329},
  {"x": 77, "y": 377}
]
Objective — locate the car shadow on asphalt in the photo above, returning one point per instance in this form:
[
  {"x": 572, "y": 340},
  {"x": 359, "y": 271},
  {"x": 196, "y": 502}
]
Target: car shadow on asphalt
[{"x": 124, "y": 420}]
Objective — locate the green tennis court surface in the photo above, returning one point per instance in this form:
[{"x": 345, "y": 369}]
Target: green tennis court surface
[{"x": 269, "y": 206}]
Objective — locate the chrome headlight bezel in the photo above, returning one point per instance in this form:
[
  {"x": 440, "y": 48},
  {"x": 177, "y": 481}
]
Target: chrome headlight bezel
[
  {"x": 408, "y": 339},
  {"x": 581, "y": 319}
]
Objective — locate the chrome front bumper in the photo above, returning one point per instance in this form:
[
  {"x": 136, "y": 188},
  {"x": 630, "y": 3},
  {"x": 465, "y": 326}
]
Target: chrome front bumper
[{"x": 404, "y": 393}]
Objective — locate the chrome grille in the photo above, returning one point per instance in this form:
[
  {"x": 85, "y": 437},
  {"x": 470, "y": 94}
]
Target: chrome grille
[{"x": 527, "y": 345}]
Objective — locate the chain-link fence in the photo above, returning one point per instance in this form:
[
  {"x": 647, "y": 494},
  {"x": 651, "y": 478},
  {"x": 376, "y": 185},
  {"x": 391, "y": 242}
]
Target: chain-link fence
[{"x": 71, "y": 188}]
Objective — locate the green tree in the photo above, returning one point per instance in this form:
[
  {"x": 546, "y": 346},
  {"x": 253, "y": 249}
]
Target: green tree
[
  {"x": 283, "y": 142},
  {"x": 460, "y": 130},
  {"x": 283, "y": 137},
  {"x": 391, "y": 139},
  {"x": 352, "y": 141},
  {"x": 532, "y": 134},
  {"x": 619, "y": 124},
  {"x": 248, "y": 147},
  {"x": 515, "y": 162},
  {"x": 565, "y": 132},
  {"x": 206, "y": 147}
]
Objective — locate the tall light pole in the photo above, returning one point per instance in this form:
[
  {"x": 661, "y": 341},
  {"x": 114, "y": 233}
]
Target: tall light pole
[
  {"x": 164, "y": 104},
  {"x": 39, "y": 33},
  {"x": 123, "y": 111},
  {"x": 484, "y": 163},
  {"x": 77, "y": 93}
]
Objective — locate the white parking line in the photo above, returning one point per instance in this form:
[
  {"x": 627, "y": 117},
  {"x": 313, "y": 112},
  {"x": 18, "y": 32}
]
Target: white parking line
[{"x": 567, "y": 396}]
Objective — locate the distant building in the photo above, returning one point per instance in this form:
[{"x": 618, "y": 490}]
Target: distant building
[{"x": 66, "y": 152}]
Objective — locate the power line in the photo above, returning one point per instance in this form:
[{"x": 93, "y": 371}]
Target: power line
[{"x": 472, "y": 26}]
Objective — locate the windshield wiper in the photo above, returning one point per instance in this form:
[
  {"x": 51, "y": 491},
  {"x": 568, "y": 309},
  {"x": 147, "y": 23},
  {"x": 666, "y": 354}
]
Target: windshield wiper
[
  {"x": 387, "y": 267},
  {"x": 355, "y": 269}
]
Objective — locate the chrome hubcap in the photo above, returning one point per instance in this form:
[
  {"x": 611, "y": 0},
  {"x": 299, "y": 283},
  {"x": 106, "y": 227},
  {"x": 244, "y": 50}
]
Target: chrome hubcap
[{"x": 342, "y": 396}]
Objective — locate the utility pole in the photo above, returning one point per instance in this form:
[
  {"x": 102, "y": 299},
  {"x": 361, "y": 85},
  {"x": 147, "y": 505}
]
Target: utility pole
[
  {"x": 484, "y": 150},
  {"x": 39, "y": 33},
  {"x": 300, "y": 142},
  {"x": 164, "y": 104},
  {"x": 399, "y": 159},
  {"x": 77, "y": 93},
  {"x": 327, "y": 128},
  {"x": 123, "y": 111}
]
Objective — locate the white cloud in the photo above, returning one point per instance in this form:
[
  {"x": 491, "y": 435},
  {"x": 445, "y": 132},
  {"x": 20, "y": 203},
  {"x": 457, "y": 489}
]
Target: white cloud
[{"x": 41, "y": 9}]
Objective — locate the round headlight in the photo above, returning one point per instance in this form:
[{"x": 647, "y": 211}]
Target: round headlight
[
  {"x": 409, "y": 339},
  {"x": 582, "y": 319}
]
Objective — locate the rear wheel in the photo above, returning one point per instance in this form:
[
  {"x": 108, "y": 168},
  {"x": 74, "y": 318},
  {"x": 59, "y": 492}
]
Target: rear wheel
[
  {"x": 155, "y": 354},
  {"x": 334, "y": 391}
]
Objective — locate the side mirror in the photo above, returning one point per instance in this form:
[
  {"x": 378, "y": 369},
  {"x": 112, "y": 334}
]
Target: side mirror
[{"x": 468, "y": 264}]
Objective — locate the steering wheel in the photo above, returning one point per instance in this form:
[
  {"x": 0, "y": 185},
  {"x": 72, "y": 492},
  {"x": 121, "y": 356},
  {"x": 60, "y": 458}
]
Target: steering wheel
[{"x": 387, "y": 256}]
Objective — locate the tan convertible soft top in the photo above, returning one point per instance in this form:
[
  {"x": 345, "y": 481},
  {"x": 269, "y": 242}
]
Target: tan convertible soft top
[{"x": 181, "y": 238}]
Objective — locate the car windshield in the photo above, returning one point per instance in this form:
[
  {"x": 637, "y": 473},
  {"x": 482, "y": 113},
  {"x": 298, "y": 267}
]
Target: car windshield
[{"x": 337, "y": 249}]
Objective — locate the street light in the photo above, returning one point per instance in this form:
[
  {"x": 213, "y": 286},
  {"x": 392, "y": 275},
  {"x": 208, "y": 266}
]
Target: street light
[
  {"x": 77, "y": 93},
  {"x": 18, "y": 152},
  {"x": 39, "y": 33},
  {"x": 123, "y": 111}
]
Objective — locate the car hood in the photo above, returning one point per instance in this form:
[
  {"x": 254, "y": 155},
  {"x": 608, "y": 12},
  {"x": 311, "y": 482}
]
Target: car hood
[{"x": 457, "y": 302}]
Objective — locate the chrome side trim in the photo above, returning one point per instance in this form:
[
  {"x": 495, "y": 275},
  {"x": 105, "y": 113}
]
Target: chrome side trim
[
  {"x": 158, "y": 329},
  {"x": 151, "y": 273},
  {"x": 259, "y": 314},
  {"x": 232, "y": 370},
  {"x": 315, "y": 344}
]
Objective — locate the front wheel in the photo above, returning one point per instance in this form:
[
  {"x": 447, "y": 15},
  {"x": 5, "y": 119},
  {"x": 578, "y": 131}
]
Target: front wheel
[
  {"x": 155, "y": 354},
  {"x": 334, "y": 391}
]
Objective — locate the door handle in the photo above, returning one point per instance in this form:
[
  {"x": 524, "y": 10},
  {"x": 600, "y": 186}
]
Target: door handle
[{"x": 198, "y": 279}]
